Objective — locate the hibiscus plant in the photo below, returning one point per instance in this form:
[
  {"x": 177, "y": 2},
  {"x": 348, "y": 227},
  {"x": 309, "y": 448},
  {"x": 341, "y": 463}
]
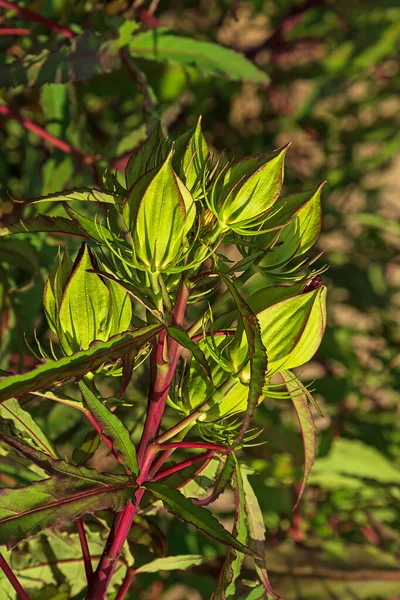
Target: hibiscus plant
[{"x": 193, "y": 286}]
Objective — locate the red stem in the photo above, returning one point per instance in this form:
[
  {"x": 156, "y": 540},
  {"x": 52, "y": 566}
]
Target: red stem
[
  {"x": 15, "y": 31},
  {"x": 103, "y": 437},
  {"x": 29, "y": 15},
  {"x": 87, "y": 560},
  {"x": 123, "y": 590},
  {"x": 194, "y": 445},
  {"x": 185, "y": 463},
  {"x": 165, "y": 374},
  {"x": 157, "y": 399},
  {"x": 45, "y": 135},
  {"x": 12, "y": 579}
]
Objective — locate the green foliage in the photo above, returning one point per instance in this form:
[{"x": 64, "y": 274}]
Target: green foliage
[{"x": 231, "y": 234}]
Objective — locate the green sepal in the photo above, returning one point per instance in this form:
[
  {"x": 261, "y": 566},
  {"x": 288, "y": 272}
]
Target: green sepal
[
  {"x": 151, "y": 152},
  {"x": 191, "y": 158}
]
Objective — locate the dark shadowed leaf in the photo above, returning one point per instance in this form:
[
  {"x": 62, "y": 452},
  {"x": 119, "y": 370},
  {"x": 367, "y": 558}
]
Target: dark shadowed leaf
[{"x": 198, "y": 516}]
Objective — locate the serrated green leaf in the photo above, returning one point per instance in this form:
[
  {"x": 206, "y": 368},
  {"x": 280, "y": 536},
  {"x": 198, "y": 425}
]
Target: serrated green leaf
[
  {"x": 44, "y": 223},
  {"x": 75, "y": 365},
  {"x": 300, "y": 403},
  {"x": 225, "y": 588},
  {"x": 112, "y": 428},
  {"x": 211, "y": 59},
  {"x": 172, "y": 563},
  {"x": 83, "y": 194},
  {"x": 256, "y": 530},
  {"x": 26, "y": 426},
  {"x": 198, "y": 516}
]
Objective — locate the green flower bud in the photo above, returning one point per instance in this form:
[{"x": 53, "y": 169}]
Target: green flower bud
[
  {"x": 159, "y": 212},
  {"x": 242, "y": 195},
  {"x": 82, "y": 307}
]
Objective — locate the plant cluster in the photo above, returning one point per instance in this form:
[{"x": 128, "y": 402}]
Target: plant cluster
[{"x": 159, "y": 290}]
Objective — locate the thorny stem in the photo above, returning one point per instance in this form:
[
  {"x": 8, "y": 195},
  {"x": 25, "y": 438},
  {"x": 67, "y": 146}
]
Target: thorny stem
[
  {"x": 30, "y": 15},
  {"x": 12, "y": 579},
  {"x": 85, "y": 549},
  {"x": 166, "y": 352}
]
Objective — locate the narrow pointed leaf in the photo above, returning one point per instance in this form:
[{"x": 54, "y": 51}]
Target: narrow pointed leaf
[
  {"x": 225, "y": 588},
  {"x": 184, "y": 340},
  {"x": 80, "y": 194},
  {"x": 308, "y": 431},
  {"x": 112, "y": 428},
  {"x": 211, "y": 59},
  {"x": 198, "y": 516},
  {"x": 256, "y": 531},
  {"x": 77, "y": 364},
  {"x": 172, "y": 563},
  {"x": 44, "y": 223}
]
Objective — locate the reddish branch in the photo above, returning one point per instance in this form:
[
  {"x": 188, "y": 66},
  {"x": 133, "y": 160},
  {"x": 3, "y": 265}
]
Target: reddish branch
[
  {"x": 45, "y": 135},
  {"x": 85, "y": 549},
  {"x": 15, "y": 31},
  {"x": 12, "y": 579},
  {"x": 191, "y": 445},
  {"x": 30, "y": 15},
  {"x": 185, "y": 463},
  {"x": 159, "y": 390}
]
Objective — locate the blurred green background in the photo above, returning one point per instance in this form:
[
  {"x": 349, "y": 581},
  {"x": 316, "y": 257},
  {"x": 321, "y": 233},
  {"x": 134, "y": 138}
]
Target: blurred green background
[{"x": 334, "y": 93}]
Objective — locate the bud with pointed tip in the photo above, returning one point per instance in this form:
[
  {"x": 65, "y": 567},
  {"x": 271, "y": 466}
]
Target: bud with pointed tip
[
  {"x": 159, "y": 212},
  {"x": 81, "y": 306},
  {"x": 243, "y": 194}
]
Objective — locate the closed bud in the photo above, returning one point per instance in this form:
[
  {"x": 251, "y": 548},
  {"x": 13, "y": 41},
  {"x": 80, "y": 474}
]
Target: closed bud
[
  {"x": 81, "y": 306},
  {"x": 159, "y": 212},
  {"x": 243, "y": 194}
]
